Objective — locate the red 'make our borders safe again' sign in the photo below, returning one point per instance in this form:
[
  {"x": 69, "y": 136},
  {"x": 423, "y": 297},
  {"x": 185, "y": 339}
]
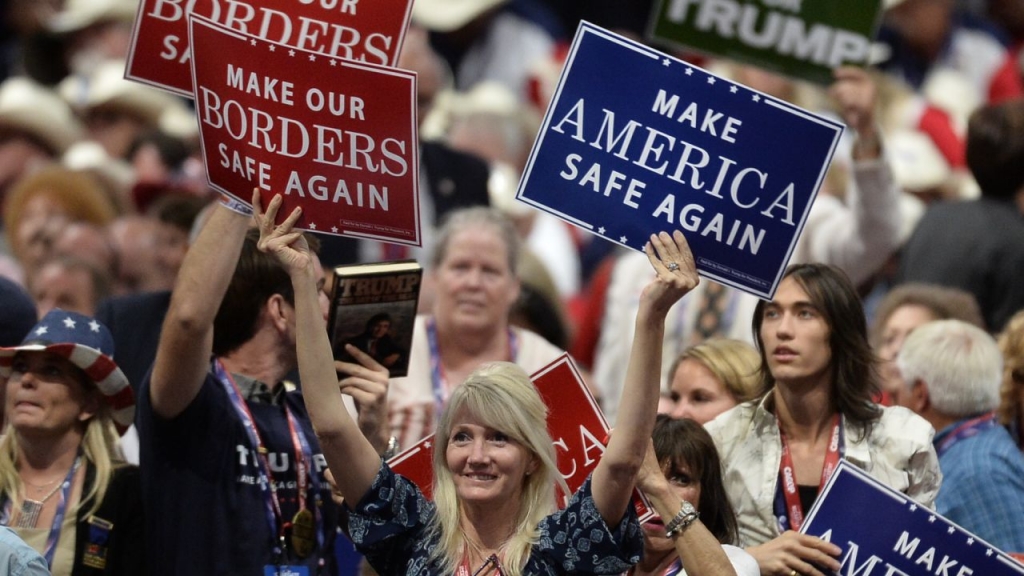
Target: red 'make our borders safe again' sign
[
  {"x": 361, "y": 30},
  {"x": 575, "y": 423},
  {"x": 334, "y": 136}
]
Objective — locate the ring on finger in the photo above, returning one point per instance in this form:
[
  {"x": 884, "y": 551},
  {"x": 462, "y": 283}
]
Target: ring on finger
[
  {"x": 672, "y": 266},
  {"x": 794, "y": 573}
]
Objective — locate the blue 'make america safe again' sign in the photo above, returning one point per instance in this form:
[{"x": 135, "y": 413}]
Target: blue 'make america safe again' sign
[
  {"x": 635, "y": 142},
  {"x": 884, "y": 533}
]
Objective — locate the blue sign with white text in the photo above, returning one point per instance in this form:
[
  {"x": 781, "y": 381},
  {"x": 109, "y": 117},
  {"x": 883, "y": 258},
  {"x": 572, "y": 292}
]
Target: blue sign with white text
[
  {"x": 635, "y": 142},
  {"x": 884, "y": 533}
]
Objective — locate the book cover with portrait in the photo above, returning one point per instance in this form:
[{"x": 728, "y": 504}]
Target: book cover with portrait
[{"x": 373, "y": 307}]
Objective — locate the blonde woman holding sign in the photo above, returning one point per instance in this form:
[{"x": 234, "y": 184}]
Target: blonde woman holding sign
[{"x": 494, "y": 464}]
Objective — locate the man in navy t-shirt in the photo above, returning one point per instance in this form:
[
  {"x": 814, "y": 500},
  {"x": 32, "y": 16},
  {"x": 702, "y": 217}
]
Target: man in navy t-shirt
[{"x": 232, "y": 471}]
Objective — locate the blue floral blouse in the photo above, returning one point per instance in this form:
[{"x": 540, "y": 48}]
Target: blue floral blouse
[{"x": 389, "y": 527}]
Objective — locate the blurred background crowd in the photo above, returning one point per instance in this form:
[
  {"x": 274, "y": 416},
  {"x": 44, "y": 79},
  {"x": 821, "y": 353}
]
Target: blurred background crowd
[
  {"x": 102, "y": 184},
  {"x": 102, "y": 179}
]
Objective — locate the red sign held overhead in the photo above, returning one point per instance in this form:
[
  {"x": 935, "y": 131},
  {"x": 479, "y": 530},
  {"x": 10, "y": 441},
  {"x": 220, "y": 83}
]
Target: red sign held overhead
[
  {"x": 361, "y": 30},
  {"x": 575, "y": 423},
  {"x": 334, "y": 136}
]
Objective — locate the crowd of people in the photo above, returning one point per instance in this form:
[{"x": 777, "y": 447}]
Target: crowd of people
[{"x": 171, "y": 401}]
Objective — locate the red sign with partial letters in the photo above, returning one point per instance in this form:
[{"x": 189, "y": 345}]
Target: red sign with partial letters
[
  {"x": 575, "y": 423},
  {"x": 334, "y": 136},
  {"x": 369, "y": 31}
]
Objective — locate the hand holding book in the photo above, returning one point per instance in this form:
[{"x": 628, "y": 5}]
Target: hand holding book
[
  {"x": 373, "y": 308},
  {"x": 367, "y": 384}
]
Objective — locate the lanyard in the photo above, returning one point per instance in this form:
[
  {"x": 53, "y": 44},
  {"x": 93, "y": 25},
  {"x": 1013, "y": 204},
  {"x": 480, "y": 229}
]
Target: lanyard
[
  {"x": 439, "y": 382},
  {"x": 305, "y": 474},
  {"x": 964, "y": 430},
  {"x": 272, "y": 506},
  {"x": 787, "y": 497},
  {"x": 58, "y": 517}
]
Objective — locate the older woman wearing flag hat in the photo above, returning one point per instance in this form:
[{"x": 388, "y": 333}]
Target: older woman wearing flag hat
[{"x": 64, "y": 486}]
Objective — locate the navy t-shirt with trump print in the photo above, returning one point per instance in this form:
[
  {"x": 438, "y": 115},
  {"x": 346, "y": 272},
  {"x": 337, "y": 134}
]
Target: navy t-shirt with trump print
[{"x": 206, "y": 512}]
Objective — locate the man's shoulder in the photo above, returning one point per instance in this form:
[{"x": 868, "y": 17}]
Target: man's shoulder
[
  {"x": 143, "y": 401},
  {"x": 987, "y": 453}
]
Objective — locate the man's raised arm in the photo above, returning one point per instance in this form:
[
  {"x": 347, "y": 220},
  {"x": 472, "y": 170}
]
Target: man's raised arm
[{"x": 186, "y": 340}]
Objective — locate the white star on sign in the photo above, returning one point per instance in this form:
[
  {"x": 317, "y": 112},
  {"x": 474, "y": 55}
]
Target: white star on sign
[
  {"x": 733, "y": 89},
  {"x": 252, "y": 42},
  {"x": 711, "y": 79},
  {"x": 426, "y": 444},
  {"x": 756, "y": 98},
  {"x": 600, "y": 230},
  {"x": 334, "y": 62},
  {"x": 913, "y": 507},
  {"x": 622, "y": 239},
  {"x": 272, "y": 47},
  {"x": 69, "y": 322},
  {"x": 291, "y": 52},
  {"x": 665, "y": 62},
  {"x": 312, "y": 57},
  {"x": 689, "y": 71},
  {"x": 334, "y": 228},
  {"x": 951, "y": 530},
  {"x": 312, "y": 225},
  {"x": 988, "y": 552},
  {"x": 931, "y": 518},
  {"x": 970, "y": 541},
  {"x": 41, "y": 330},
  {"x": 94, "y": 326}
]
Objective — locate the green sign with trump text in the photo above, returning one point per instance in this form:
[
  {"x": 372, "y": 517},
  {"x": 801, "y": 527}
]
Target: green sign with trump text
[{"x": 804, "y": 39}]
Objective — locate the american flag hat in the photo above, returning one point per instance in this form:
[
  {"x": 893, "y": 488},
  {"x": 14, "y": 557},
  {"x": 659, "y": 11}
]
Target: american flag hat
[{"x": 86, "y": 343}]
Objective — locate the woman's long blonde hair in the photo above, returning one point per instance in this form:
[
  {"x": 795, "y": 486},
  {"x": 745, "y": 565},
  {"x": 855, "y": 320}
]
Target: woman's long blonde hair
[
  {"x": 501, "y": 395},
  {"x": 99, "y": 447}
]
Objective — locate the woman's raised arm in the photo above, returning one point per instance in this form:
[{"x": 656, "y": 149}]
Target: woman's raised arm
[
  {"x": 350, "y": 456},
  {"x": 616, "y": 473}
]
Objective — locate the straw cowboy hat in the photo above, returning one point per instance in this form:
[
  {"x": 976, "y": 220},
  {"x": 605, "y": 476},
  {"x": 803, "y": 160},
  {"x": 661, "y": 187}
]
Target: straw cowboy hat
[
  {"x": 106, "y": 87},
  {"x": 449, "y": 15},
  {"x": 87, "y": 344},
  {"x": 37, "y": 111},
  {"x": 79, "y": 14}
]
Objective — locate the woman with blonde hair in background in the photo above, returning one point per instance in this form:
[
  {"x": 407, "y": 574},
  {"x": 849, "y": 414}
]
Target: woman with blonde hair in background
[{"x": 711, "y": 377}]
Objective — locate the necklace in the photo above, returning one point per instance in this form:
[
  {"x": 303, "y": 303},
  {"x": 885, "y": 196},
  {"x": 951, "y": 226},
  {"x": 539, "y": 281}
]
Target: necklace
[
  {"x": 31, "y": 509},
  {"x": 40, "y": 487}
]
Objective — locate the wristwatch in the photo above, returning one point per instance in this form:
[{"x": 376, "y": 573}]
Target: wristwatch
[{"x": 686, "y": 515}]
